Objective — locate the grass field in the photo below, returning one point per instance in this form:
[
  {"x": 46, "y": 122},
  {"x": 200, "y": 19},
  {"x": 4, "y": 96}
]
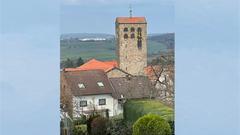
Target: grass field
[
  {"x": 133, "y": 109},
  {"x": 102, "y": 50}
]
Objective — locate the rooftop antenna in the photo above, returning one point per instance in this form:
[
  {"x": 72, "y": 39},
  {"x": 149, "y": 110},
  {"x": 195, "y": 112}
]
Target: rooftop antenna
[{"x": 130, "y": 10}]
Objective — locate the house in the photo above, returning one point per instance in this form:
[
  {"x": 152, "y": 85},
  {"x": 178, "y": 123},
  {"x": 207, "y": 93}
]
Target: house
[{"x": 90, "y": 91}]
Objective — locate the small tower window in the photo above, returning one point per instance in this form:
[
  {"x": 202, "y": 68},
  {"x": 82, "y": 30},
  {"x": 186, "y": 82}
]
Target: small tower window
[
  {"x": 125, "y": 29},
  {"x": 132, "y": 29},
  {"x": 125, "y": 36},
  {"x": 139, "y": 38},
  {"x": 132, "y": 35},
  {"x": 139, "y": 29},
  {"x": 139, "y": 43}
]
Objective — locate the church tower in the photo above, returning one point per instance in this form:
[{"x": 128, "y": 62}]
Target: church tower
[{"x": 131, "y": 50}]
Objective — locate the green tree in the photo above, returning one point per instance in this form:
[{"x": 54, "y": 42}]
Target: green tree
[
  {"x": 151, "y": 124},
  {"x": 68, "y": 63},
  {"x": 79, "y": 62}
]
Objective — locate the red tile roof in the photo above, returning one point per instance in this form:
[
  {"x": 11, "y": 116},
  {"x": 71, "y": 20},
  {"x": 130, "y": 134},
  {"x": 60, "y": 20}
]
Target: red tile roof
[
  {"x": 131, "y": 20},
  {"x": 149, "y": 71},
  {"x": 95, "y": 64}
]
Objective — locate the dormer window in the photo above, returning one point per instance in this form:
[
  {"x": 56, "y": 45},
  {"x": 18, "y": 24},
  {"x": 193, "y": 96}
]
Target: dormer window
[
  {"x": 81, "y": 86},
  {"x": 125, "y": 29},
  {"x": 100, "y": 84}
]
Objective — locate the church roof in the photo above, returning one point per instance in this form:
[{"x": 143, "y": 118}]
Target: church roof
[
  {"x": 94, "y": 64},
  {"x": 131, "y": 20}
]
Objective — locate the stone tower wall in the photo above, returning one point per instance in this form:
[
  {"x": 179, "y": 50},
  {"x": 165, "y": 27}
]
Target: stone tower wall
[{"x": 130, "y": 58}]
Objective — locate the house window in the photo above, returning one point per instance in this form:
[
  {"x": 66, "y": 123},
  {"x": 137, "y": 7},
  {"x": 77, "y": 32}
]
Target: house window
[
  {"x": 83, "y": 103},
  {"x": 125, "y": 36},
  {"x": 100, "y": 84},
  {"x": 132, "y": 29},
  {"x": 102, "y": 101},
  {"x": 81, "y": 86},
  {"x": 125, "y": 29},
  {"x": 132, "y": 35}
]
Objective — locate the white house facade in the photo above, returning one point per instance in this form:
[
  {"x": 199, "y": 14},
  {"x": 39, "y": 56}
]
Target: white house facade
[{"x": 101, "y": 103}]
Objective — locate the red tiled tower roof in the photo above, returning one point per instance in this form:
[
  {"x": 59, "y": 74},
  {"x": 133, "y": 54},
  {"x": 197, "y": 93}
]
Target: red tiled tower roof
[
  {"x": 94, "y": 64},
  {"x": 131, "y": 20}
]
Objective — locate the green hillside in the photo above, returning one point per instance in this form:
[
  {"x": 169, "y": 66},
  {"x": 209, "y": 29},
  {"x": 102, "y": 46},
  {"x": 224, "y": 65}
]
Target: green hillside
[{"x": 73, "y": 48}]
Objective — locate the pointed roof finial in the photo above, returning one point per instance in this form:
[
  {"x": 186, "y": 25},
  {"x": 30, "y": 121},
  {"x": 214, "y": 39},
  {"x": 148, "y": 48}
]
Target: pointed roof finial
[{"x": 130, "y": 10}]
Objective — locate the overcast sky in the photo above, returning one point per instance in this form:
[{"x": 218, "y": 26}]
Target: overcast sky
[
  {"x": 98, "y": 16},
  {"x": 207, "y": 59}
]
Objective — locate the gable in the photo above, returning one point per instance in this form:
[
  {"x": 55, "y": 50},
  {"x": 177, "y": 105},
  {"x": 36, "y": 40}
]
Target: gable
[{"x": 116, "y": 72}]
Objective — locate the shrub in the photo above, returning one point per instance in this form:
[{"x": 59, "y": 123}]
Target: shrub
[
  {"x": 80, "y": 120},
  {"x": 151, "y": 124},
  {"x": 89, "y": 121},
  {"x": 134, "y": 109},
  {"x": 172, "y": 125},
  {"x": 80, "y": 129},
  {"x": 99, "y": 126},
  {"x": 118, "y": 126}
]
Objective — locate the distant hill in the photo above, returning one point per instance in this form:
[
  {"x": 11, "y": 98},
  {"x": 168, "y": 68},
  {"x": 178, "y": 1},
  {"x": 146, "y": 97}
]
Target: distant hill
[
  {"x": 167, "y": 39},
  {"x": 102, "y": 46},
  {"x": 82, "y": 36}
]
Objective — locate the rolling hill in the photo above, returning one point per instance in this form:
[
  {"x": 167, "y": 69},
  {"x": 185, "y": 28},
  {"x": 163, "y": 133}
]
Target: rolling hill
[{"x": 102, "y": 46}]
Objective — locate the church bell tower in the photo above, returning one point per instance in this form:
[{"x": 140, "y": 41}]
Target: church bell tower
[{"x": 131, "y": 39}]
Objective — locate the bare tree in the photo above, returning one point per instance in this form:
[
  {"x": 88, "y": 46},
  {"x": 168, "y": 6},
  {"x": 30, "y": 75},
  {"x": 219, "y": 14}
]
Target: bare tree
[{"x": 162, "y": 77}]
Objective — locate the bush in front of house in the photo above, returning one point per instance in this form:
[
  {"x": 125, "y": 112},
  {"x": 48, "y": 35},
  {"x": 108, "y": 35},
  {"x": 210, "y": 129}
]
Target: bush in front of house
[
  {"x": 151, "y": 124},
  {"x": 89, "y": 121},
  {"x": 99, "y": 126},
  {"x": 80, "y": 129},
  {"x": 81, "y": 120},
  {"x": 117, "y": 126}
]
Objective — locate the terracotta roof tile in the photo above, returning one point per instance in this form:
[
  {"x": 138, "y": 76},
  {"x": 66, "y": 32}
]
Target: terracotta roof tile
[
  {"x": 131, "y": 20},
  {"x": 95, "y": 64}
]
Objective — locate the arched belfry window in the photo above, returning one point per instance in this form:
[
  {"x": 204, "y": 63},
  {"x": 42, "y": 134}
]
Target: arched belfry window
[
  {"x": 125, "y": 36},
  {"x": 125, "y": 29},
  {"x": 132, "y": 35},
  {"x": 139, "y": 29},
  {"x": 139, "y": 38},
  {"x": 132, "y": 29}
]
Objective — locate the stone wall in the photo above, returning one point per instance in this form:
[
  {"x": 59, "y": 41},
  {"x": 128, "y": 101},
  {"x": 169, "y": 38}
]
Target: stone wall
[
  {"x": 116, "y": 73},
  {"x": 131, "y": 59}
]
